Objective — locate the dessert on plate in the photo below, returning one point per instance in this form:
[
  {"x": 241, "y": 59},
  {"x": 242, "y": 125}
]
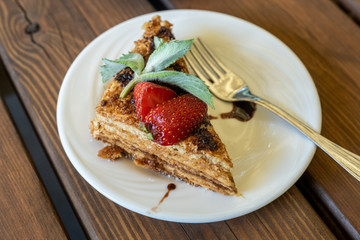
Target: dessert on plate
[{"x": 155, "y": 113}]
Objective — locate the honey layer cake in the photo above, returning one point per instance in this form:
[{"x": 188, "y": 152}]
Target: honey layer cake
[{"x": 201, "y": 159}]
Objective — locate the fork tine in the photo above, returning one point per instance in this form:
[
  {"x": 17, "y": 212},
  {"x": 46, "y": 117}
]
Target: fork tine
[
  {"x": 201, "y": 63},
  {"x": 210, "y": 58},
  {"x": 197, "y": 71}
]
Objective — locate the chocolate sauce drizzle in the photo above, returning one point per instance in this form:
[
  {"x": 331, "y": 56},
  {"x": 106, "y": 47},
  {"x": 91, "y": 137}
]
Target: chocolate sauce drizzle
[
  {"x": 170, "y": 187},
  {"x": 242, "y": 111}
]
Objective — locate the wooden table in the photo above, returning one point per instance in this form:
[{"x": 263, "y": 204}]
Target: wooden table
[{"x": 42, "y": 195}]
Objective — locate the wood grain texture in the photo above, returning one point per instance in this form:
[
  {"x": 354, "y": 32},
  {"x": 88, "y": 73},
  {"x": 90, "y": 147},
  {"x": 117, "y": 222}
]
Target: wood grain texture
[
  {"x": 37, "y": 64},
  {"x": 289, "y": 217},
  {"x": 296, "y": 212},
  {"x": 26, "y": 210},
  {"x": 352, "y": 7},
  {"x": 327, "y": 42}
]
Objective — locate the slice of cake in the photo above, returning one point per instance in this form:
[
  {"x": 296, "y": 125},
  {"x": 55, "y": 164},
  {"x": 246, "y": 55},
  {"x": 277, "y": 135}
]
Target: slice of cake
[{"x": 199, "y": 158}]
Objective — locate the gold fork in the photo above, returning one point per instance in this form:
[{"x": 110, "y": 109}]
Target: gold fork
[{"x": 229, "y": 87}]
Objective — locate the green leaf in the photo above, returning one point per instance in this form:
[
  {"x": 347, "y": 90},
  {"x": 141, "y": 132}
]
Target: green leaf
[
  {"x": 185, "y": 81},
  {"x": 150, "y": 136},
  {"x": 130, "y": 86},
  {"x": 166, "y": 54},
  {"x": 110, "y": 68},
  {"x": 133, "y": 60},
  {"x": 158, "y": 41},
  {"x": 143, "y": 127}
]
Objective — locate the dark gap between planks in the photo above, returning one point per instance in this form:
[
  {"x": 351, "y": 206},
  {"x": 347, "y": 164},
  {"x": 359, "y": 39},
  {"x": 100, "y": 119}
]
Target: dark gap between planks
[{"x": 40, "y": 159}]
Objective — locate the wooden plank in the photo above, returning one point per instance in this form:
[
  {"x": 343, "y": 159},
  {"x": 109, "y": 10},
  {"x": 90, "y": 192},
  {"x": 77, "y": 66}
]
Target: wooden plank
[
  {"x": 26, "y": 210},
  {"x": 352, "y": 7},
  {"x": 289, "y": 217},
  {"x": 299, "y": 220},
  {"x": 327, "y": 41},
  {"x": 46, "y": 55}
]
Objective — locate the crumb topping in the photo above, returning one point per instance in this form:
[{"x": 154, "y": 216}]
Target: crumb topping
[
  {"x": 124, "y": 76},
  {"x": 204, "y": 139},
  {"x": 161, "y": 29}
]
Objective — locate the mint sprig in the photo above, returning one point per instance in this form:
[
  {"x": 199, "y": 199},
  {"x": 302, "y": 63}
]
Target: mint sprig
[
  {"x": 158, "y": 42},
  {"x": 110, "y": 68},
  {"x": 132, "y": 60},
  {"x": 165, "y": 54}
]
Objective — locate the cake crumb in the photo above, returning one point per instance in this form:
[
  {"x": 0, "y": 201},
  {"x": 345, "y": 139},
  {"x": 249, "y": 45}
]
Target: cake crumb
[{"x": 111, "y": 152}]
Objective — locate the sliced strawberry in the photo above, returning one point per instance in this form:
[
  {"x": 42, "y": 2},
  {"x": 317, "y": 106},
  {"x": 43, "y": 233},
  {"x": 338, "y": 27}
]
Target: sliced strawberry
[
  {"x": 147, "y": 95},
  {"x": 173, "y": 120}
]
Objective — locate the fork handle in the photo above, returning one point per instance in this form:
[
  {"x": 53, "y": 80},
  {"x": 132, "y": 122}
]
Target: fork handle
[{"x": 348, "y": 160}]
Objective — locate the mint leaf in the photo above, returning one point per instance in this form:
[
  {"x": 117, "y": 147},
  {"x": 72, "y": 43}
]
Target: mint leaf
[
  {"x": 166, "y": 54},
  {"x": 110, "y": 68},
  {"x": 158, "y": 41},
  {"x": 133, "y": 60},
  {"x": 130, "y": 86},
  {"x": 185, "y": 81},
  {"x": 150, "y": 136}
]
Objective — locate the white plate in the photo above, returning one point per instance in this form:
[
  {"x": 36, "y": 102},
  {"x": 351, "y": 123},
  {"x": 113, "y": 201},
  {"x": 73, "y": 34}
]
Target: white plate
[{"x": 268, "y": 154}]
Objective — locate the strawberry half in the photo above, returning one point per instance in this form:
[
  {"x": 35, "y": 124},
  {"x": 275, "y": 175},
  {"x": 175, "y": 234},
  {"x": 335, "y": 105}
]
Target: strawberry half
[
  {"x": 173, "y": 120},
  {"x": 147, "y": 95}
]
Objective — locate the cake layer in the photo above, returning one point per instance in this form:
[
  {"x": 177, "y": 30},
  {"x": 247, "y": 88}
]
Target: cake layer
[
  {"x": 156, "y": 164},
  {"x": 135, "y": 142},
  {"x": 211, "y": 176}
]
